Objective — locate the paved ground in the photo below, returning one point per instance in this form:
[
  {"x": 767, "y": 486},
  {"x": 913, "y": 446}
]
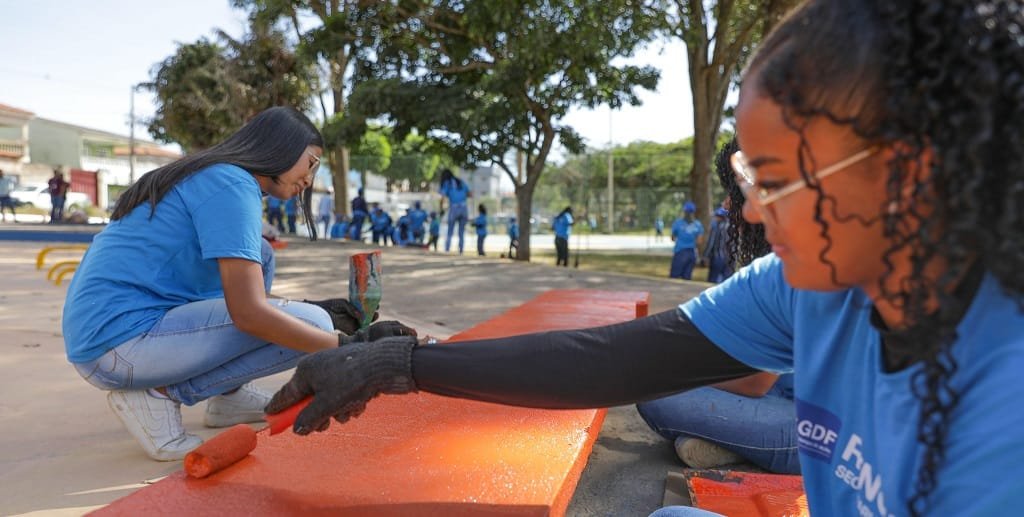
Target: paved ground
[{"x": 64, "y": 453}]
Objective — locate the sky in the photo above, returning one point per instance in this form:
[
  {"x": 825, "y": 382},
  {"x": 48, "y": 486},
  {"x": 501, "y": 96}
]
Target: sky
[{"x": 77, "y": 61}]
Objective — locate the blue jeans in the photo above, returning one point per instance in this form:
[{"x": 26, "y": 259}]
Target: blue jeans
[
  {"x": 56, "y": 209},
  {"x": 762, "y": 430},
  {"x": 719, "y": 269},
  {"x": 682, "y": 264},
  {"x": 196, "y": 352},
  {"x": 457, "y": 214},
  {"x": 480, "y": 244},
  {"x": 356, "y": 228}
]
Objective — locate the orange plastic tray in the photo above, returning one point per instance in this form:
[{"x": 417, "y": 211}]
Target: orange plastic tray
[{"x": 417, "y": 454}]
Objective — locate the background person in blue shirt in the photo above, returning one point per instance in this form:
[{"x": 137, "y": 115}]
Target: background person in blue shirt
[
  {"x": 480, "y": 223},
  {"x": 716, "y": 253},
  {"x": 291, "y": 208},
  {"x": 562, "y": 225},
  {"x": 456, "y": 192},
  {"x": 417, "y": 218},
  {"x": 686, "y": 232},
  {"x": 275, "y": 213},
  {"x": 881, "y": 151},
  {"x": 435, "y": 230},
  {"x": 513, "y": 238},
  {"x": 170, "y": 303},
  {"x": 360, "y": 213}
]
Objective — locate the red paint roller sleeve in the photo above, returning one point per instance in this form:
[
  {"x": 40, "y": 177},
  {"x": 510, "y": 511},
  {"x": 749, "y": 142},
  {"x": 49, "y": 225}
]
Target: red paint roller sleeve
[{"x": 221, "y": 451}]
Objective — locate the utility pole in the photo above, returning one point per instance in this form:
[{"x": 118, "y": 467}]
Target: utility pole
[
  {"x": 611, "y": 177},
  {"x": 131, "y": 138}
]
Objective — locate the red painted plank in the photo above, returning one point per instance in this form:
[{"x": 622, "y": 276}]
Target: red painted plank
[
  {"x": 416, "y": 454},
  {"x": 748, "y": 494}
]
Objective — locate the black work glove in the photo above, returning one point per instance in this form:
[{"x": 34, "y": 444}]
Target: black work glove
[
  {"x": 343, "y": 380},
  {"x": 344, "y": 315},
  {"x": 379, "y": 330}
]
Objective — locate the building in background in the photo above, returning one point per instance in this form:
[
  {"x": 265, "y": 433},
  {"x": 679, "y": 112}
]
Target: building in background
[
  {"x": 98, "y": 163},
  {"x": 14, "y": 131}
]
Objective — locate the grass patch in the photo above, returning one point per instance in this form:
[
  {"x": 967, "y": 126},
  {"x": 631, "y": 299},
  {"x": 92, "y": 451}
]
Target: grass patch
[{"x": 644, "y": 264}]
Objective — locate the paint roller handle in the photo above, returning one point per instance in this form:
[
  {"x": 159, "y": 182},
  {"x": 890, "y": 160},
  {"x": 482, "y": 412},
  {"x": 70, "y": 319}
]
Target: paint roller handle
[{"x": 284, "y": 420}]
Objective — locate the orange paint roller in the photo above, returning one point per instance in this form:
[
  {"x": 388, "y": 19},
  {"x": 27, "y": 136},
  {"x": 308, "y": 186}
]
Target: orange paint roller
[
  {"x": 221, "y": 451},
  {"x": 229, "y": 447}
]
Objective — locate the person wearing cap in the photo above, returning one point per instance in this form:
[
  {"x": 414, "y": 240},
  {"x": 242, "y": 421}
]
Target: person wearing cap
[
  {"x": 716, "y": 253},
  {"x": 686, "y": 232}
]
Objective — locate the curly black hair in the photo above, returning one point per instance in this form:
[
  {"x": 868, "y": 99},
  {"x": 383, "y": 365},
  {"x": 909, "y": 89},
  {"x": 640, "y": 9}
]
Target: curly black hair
[
  {"x": 941, "y": 84},
  {"x": 746, "y": 241}
]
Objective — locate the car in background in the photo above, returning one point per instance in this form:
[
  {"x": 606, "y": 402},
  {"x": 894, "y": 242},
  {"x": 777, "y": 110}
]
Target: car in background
[{"x": 38, "y": 195}]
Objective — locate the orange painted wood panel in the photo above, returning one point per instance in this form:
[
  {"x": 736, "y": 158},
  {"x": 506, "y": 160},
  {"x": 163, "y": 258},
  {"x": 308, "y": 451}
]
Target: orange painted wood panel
[
  {"x": 748, "y": 494},
  {"x": 416, "y": 454}
]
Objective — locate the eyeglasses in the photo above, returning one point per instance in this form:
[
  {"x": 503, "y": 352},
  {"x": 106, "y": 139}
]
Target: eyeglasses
[
  {"x": 315, "y": 164},
  {"x": 760, "y": 198}
]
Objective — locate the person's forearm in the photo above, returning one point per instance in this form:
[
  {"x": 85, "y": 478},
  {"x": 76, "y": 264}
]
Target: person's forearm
[
  {"x": 629, "y": 362},
  {"x": 276, "y": 326}
]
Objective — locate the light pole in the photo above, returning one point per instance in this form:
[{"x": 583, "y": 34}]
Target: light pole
[
  {"x": 611, "y": 177},
  {"x": 131, "y": 135}
]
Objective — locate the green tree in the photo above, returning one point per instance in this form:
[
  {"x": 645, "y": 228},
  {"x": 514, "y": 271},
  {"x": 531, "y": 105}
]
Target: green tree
[
  {"x": 207, "y": 90},
  {"x": 339, "y": 40},
  {"x": 492, "y": 80},
  {"x": 719, "y": 36},
  {"x": 193, "y": 97}
]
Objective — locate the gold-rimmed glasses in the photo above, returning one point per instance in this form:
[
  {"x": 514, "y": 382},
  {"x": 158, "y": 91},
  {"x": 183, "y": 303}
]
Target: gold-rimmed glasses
[{"x": 761, "y": 198}]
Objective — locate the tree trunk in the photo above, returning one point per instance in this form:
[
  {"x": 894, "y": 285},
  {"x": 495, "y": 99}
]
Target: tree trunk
[
  {"x": 339, "y": 162},
  {"x": 524, "y": 200}
]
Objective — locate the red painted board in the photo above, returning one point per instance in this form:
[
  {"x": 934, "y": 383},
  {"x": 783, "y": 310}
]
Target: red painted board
[
  {"x": 747, "y": 494},
  {"x": 416, "y": 454}
]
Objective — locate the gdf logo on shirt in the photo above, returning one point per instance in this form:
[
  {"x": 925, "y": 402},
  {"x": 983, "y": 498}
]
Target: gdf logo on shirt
[{"x": 817, "y": 430}]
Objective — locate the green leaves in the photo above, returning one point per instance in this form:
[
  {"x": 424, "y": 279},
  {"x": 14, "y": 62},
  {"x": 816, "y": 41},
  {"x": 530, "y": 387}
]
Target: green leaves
[{"x": 206, "y": 90}]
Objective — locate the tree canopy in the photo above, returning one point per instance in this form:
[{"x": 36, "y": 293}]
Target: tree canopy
[
  {"x": 207, "y": 90},
  {"x": 490, "y": 79}
]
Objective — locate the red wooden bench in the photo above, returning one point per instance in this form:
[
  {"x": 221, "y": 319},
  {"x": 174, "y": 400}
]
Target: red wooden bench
[{"x": 417, "y": 454}]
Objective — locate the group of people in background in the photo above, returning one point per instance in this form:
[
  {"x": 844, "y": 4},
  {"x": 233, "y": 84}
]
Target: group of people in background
[{"x": 688, "y": 234}]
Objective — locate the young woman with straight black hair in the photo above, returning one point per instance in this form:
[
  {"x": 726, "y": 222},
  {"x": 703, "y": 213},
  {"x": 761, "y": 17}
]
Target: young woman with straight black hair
[
  {"x": 169, "y": 304},
  {"x": 882, "y": 151}
]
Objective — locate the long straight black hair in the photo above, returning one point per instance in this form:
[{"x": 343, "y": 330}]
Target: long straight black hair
[{"x": 268, "y": 145}]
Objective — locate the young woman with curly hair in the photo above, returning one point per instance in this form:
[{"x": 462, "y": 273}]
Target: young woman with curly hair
[{"x": 882, "y": 151}]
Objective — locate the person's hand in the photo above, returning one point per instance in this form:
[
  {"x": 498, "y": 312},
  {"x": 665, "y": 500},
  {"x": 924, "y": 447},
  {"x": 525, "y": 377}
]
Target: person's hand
[
  {"x": 342, "y": 380},
  {"x": 379, "y": 330},
  {"x": 344, "y": 314}
]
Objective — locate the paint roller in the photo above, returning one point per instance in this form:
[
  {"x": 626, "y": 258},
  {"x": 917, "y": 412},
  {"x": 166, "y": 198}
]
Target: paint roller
[{"x": 230, "y": 446}]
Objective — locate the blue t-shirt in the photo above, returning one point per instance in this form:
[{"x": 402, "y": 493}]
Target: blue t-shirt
[
  {"x": 513, "y": 231},
  {"x": 273, "y": 204},
  {"x": 480, "y": 222},
  {"x": 435, "y": 227},
  {"x": 686, "y": 233},
  {"x": 138, "y": 268},
  {"x": 338, "y": 229},
  {"x": 857, "y": 424},
  {"x": 456, "y": 191},
  {"x": 291, "y": 205},
  {"x": 417, "y": 216},
  {"x": 563, "y": 225}
]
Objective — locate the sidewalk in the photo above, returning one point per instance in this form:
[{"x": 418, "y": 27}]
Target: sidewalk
[{"x": 64, "y": 453}]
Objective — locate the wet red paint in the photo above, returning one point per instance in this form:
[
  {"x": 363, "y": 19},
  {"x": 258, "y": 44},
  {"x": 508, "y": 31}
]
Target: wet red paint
[
  {"x": 416, "y": 454},
  {"x": 748, "y": 494}
]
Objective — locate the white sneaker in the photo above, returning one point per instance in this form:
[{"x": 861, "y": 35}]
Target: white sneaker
[
  {"x": 243, "y": 406},
  {"x": 154, "y": 422},
  {"x": 702, "y": 454}
]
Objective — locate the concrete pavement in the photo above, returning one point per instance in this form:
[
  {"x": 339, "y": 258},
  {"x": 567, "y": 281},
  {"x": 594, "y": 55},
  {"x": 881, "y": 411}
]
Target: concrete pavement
[{"x": 63, "y": 452}]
